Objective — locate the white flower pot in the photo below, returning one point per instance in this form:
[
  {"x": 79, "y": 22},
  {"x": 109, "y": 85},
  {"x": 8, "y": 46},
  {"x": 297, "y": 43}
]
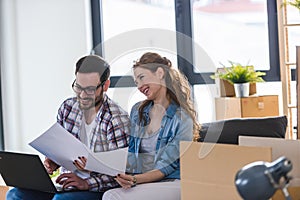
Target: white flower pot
[{"x": 241, "y": 89}]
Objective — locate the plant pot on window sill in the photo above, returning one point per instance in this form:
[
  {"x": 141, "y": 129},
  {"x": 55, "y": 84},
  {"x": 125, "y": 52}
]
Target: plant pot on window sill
[
  {"x": 241, "y": 89},
  {"x": 226, "y": 89},
  {"x": 238, "y": 73}
]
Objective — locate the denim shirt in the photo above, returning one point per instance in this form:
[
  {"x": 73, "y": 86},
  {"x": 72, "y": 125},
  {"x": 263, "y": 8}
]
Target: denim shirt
[{"x": 176, "y": 126}]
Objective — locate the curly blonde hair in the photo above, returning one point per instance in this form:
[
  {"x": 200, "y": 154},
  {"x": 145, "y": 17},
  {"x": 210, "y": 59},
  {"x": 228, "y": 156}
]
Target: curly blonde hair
[{"x": 178, "y": 88}]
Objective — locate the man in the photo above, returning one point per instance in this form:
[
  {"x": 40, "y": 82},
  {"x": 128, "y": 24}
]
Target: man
[{"x": 94, "y": 119}]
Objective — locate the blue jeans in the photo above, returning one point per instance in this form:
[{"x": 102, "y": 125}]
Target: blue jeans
[{"x": 23, "y": 194}]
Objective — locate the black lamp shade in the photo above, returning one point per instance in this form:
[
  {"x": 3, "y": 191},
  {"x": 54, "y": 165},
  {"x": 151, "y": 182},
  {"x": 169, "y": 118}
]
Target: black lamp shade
[{"x": 260, "y": 180}]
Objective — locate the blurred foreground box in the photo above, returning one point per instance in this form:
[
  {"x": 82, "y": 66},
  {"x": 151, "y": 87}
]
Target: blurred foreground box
[
  {"x": 280, "y": 147},
  {"x": 208, "y": 170}
]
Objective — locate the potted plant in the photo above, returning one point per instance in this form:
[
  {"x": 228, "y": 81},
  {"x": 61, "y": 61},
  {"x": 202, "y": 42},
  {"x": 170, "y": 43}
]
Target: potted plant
[
  {"x": 239, "y": 76},
  {"x": 294, "y": 3}
]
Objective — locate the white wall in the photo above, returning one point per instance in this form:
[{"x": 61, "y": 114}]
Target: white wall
[{"x": 40, "y": 43}]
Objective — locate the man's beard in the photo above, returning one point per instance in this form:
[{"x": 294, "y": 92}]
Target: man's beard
[{"x": 94, "y": 102}]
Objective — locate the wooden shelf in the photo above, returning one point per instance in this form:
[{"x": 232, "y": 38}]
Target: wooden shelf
[
  {"x": 292, "y": 106},
  {"x": 291, "y": 25},
  {"x": 285, "y": 56},
  {"x": 298, "y": 89}
]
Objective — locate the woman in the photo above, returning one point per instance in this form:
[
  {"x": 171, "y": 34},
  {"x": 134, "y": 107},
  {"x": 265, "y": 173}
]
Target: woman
[{"x": 159, "y": 123}]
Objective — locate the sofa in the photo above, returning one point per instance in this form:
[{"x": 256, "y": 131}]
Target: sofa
[{"x": 228, "y": 131}]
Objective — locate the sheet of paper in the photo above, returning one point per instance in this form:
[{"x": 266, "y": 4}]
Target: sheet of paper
[
  {"x": 60, "y": 146},
  {"x": 63, "y": 148},
  {"x": 109, "y": 162}
]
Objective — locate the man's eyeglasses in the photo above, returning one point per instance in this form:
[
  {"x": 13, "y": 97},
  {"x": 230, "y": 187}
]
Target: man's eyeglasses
[{"x": 91, "y": 90}]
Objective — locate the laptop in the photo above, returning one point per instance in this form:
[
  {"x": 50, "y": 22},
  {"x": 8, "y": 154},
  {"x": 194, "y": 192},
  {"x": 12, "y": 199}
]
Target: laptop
[{"x": 26, "y": 171}]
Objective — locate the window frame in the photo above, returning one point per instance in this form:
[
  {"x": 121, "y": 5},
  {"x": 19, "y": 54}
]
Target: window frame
[
  {"x": 183, "y": 15},
  {"x": 1, "y": 114}
]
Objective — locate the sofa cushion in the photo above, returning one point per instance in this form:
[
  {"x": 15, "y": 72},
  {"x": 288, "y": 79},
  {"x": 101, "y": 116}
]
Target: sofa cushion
[{"x": 228, "y": 131}]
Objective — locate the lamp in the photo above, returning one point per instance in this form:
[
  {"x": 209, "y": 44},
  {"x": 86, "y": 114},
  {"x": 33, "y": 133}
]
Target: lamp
[{"x": 260, "y": 180}]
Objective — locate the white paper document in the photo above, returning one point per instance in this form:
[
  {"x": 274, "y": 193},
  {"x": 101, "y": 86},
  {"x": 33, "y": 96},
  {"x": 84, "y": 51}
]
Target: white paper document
[{"x": 63, "y": 148}]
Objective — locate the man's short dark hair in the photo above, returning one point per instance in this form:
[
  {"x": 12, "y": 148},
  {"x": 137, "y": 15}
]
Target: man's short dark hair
[{"x": 93, "y": 63}]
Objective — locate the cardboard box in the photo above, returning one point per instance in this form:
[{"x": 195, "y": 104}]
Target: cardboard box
[
  {"x": 228, "y": 107},
  {"x": 208, "y": 170},
  {"x": 294, "y": 193},
  {"x": 280, "y": 147},
  {"x": 253, "y": 106},
  {"x": 260, "y": 106}
]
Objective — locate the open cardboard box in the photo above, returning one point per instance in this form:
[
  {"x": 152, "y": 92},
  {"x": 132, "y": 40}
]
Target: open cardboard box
[
  {"x": 208, "y": 170},
  {"x": 280, "y": 147}
]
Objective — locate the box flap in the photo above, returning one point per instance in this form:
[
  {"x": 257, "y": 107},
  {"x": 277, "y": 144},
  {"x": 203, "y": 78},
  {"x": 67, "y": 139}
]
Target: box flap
[
  {"x": 280, "y": 147},
  {"x": 217, "y": 163}
]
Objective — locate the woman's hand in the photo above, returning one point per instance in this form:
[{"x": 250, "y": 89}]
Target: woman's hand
[
  {"x": 126, "y": 181},
  {"x": 50, "y": 166},
  {"x": 81, "y": 163},
  {"x": 68, "y": 180}
]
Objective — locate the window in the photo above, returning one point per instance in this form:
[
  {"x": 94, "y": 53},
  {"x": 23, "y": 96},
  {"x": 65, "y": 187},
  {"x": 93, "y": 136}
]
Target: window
[
  {"x": 232, "y": 30},
  {"x": 219, "y": 30},
  {"x": 132, "y": 27}
]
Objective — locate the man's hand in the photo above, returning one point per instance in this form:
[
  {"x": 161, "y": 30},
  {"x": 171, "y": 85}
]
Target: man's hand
[
  {"x": 72, "y": 180},
  {"x": 50, "y": 166}
]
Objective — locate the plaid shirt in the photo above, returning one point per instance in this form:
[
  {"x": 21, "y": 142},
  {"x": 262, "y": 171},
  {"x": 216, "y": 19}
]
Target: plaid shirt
[{"x": 111, "y": 132}]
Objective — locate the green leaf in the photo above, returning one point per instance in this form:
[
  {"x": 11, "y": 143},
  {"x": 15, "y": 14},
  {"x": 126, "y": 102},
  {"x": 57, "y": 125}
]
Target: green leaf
[{"x": 294, "y": 3}]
